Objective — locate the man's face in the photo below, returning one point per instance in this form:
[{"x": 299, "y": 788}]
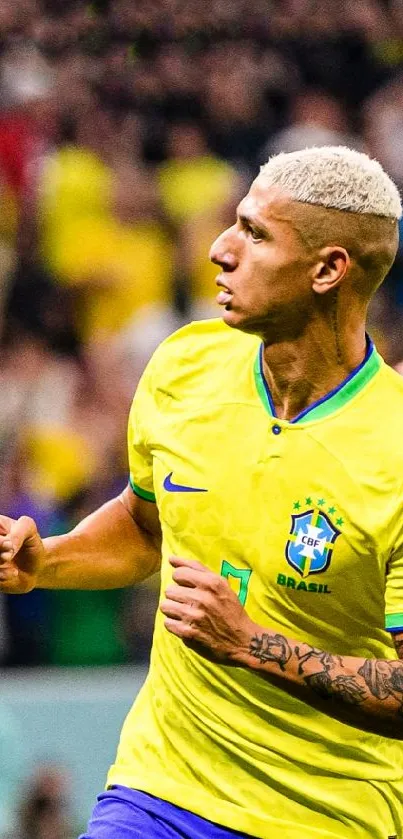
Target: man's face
[{"x": 265, "y": 282}]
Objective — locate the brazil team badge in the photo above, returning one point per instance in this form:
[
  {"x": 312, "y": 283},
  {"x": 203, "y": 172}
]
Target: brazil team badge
[{"x": 311, "y": 541}]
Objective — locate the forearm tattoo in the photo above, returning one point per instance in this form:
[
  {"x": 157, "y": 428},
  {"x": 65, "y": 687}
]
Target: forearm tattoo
[
  {"x": 326, "y": 682},
  {"x": 268, "y": 647},
  {"x": 375, "y": 684}
]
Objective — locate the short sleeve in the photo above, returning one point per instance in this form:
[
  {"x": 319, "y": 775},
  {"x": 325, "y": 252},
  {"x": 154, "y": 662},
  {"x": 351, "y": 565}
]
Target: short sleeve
[
  {"x": 394, "y": 593},
  {"x": 141, "y": 416}
]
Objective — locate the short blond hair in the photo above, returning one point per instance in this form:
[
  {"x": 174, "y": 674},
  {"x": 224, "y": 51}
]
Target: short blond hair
[{"x": 335, "y": 177}]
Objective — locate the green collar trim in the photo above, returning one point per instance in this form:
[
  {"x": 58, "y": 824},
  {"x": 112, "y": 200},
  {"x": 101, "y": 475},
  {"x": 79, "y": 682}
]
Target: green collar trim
[
  {"x": 333, "y": 401},
  {"x": 261, "y": 384}
]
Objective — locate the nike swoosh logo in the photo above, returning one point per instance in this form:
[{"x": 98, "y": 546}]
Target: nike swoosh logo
[{"x": 171, "y": 487}]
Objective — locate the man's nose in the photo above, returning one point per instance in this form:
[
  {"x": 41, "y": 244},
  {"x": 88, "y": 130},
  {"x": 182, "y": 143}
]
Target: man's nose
[{"x": 222, "y": 251}]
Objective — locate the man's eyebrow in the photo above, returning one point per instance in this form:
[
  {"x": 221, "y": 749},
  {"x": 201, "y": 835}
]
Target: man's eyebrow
[{"x": 250, "y": 220}]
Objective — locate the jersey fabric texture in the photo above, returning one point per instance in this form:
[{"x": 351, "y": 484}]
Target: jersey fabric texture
[
  {"x": 304, "y": 518},
  {"x": 123, "y": 813}
]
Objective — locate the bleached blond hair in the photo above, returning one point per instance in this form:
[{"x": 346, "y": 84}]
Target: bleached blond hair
[{"x": 335, "y": 177}]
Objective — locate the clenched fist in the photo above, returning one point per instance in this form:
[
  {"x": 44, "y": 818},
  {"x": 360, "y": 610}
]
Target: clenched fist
[
  {"x": 21, "y": 555},
  {"x": 202, "y": 610}
]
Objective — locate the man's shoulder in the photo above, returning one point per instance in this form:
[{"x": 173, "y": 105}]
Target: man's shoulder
[
  {"x": 199, "y": 341},
  {"x": 384, "y": 410},
  {"x": 201, "y": 359},
  {"x": 391, "y": 383},
  {"x": 393, "y": 379}
]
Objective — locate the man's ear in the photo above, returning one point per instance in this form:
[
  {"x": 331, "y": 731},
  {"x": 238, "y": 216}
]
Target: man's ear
[{"x": 331, "y": 268}]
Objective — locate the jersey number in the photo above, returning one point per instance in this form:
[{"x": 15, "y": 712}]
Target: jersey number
[{"x": 241, "y": 574}]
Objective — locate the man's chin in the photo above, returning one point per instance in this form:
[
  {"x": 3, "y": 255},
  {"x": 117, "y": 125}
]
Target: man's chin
[
  {"x": 238, "y": 320},
  {"x": 230, "y": 317}
]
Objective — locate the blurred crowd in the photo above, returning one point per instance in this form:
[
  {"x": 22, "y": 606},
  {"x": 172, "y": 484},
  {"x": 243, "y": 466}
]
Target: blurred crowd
[
  {"x": 44, "y": 810},
  {"x": 129, "y": 130}
]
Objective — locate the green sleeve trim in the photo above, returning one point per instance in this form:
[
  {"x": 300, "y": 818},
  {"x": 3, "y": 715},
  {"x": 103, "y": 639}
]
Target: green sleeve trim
[
  {"x": 394, "y": 623},
  {"x": 142, "y": 493}
]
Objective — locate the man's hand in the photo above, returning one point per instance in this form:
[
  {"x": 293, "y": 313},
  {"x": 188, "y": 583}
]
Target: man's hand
[
  {"x": 21, "y": 555},
  {"x": 201, "y": 608}
]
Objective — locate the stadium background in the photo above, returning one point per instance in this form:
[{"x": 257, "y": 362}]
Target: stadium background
[{"x": 128, "y": 131}]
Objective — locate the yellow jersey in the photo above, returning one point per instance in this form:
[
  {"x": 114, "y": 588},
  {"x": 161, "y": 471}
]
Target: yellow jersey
[{"x": 304, "y": 519}]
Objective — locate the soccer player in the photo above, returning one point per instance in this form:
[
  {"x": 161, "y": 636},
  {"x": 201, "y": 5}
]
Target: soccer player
[{"x": 266, "y": 460}]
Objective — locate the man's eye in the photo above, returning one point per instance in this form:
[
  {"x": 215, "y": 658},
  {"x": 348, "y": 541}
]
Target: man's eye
[{"x": 255, "y": 234}]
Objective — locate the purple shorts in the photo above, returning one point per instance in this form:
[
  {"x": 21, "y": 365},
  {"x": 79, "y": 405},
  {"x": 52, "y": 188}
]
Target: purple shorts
[{"x": 123, "y": 813}]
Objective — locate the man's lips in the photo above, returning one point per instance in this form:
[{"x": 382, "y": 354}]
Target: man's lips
[{"x": 225, "y": 295}]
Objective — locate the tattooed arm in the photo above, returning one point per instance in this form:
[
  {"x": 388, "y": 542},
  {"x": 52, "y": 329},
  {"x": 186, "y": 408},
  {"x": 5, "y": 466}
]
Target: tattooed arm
[
  {"x": 202, "y": 610},
  {"x": 376, "y": 685}
]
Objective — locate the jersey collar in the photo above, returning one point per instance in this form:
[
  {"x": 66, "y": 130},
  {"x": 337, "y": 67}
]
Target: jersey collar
[{"x": 337, "y": 398}]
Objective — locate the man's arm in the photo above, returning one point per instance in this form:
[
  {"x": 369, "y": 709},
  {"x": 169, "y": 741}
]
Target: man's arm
[
  {"x": 117, "y": 545},
  {"x": 202, "y": 610},
  {"x": 376, "y": 685}
]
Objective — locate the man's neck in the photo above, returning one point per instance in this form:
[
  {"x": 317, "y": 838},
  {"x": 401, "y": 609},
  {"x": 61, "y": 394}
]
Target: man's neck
[{"x": 301, "y": 372}]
